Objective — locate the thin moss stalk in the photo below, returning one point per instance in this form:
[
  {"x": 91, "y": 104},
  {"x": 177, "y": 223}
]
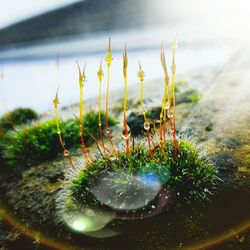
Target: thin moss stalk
[
  {"x": 173, "y": 116},
  {"x": 108, "y": 61},
  {"x": 146, "y": 124},
  {"x": 65, "y": 151},
  {"x": 100, "y": 76},
  {"x": 125, "y": 69},
  {"x": 164, "y": 100},
  {"x": 82, "y": 79}
]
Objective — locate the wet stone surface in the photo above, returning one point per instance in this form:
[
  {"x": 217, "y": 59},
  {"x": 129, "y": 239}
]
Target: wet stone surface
[
  {"x": 220, "y": 128},
  {"x": 226, "y": 162}
]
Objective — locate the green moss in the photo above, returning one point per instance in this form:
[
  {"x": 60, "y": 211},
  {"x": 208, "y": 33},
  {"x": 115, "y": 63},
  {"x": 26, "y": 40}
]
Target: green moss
[
  {"x": 117, "y": 109},
  {"x": 31, "y": 145},
  {"x": 181, "y": 86},
  {"x": 190, "y": 95},
  {"x": 186, "y": 94},
  {"x": 17, "y": 117},
  {"x": 189, "y": 175},
  {"x": 11, "y": 120}
]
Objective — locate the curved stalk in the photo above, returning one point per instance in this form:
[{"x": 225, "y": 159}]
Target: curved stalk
[
  {"x": 65, "y": 151},
  {"x": 82, "y": 79},
  {"x": 164, "y": 100}
]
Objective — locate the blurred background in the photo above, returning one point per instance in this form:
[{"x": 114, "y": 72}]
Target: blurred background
[{"x": 40, "y": 42}]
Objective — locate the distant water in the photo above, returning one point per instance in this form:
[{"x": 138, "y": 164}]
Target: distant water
[{"x": 32, "y": 74}]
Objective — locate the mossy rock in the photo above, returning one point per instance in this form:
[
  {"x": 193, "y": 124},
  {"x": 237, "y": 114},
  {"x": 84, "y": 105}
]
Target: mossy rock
[
  {"x": 134, "y": 181},
  {"x": 188, "y": 96},
  {"x": 11, "y": 120},
  {"x": 31, "y": 145}
]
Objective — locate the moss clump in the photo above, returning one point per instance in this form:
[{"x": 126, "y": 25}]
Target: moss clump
[
  {"x": 31, "y": 145},
  {"x": 11, "y": 120},
  {"x": 190, "y": 176},
  {"x": 186, "y": 94},
  {"x": 131, "y": 104},
  {"x": 17, "y": 117}
]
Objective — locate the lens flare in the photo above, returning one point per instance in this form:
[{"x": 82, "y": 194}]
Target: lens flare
[
  {"x": 152, "y": 171},
  {"x": 87, "y": 221},
  {"x": 124, "y": 191}
]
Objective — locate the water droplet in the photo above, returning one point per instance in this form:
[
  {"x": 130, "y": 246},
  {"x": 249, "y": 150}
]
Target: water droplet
[
  {"x": 126, "y": 134},
  {"x": 153, "y": 206},
  {"x": 66, "y": 153},
  {"x": 99, "y": 124},
  {"x": 146, "y": 125},
  {"x": 108, "y": 131},
  {"x": 161, "y": 116},
  {"x": 59, "y": 131}
]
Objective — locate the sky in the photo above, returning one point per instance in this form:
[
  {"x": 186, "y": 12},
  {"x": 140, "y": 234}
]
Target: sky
[{"x": 12, "y": 11}]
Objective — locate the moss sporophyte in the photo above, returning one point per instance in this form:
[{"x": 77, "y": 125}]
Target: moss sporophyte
[{"x": 139, "y": 174}]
